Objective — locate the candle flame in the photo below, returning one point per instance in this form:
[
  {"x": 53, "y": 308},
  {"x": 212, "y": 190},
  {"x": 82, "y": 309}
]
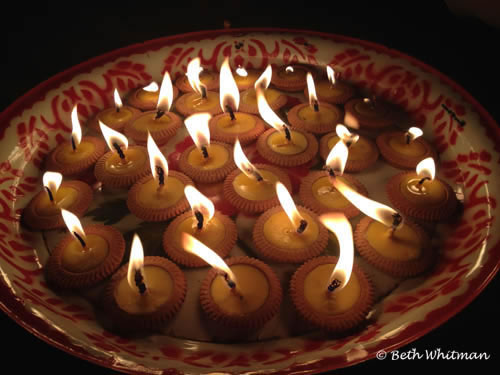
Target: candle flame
[
  {"x": 242, "y": 161},
  {"x": 351, "y": 120},
  {"x": 289, "y": 69},
  {"x": 200, "y": 203},
  {"x": 76, "y": 133},
  {"x": 241, "y": 72},
  {"x": 156, "y": 158},
  {"x": 331, "y": 74},
  {"x": 112, "y": 136},
  {"x": 229, "y": 93},
  {"x": 345, "y": 135},
  {"x": 52, "y": 181},
  {"x": 427, "y": 168},
  {"x": 264, "y": 80},
  {"x": 152, "y": 87},
  {"x": 193, "y": 73},
  {"x": 118, "y": 100},
  {"x": 313, "y": 99},
  {"x": 72, "y": 223},
  {"x": 414, "y": 133},
  {"x": 377, "y": 211},
  {"x": 166, "y": 95},
  {"x": 197, "y": 126},
  {"x": 136, "y": 261},
  {"x": 288, "y": 205},
  {"x": 201, "y": 250},
  {"x": 337, "y": 158},
  {"x": 338, "y": 224},
  {"x": 267, "y": 114}
]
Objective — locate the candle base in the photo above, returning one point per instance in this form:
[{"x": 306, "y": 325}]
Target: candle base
[
  {"x": 339, "y": 93},
  {"x": 145, "y": 100}
]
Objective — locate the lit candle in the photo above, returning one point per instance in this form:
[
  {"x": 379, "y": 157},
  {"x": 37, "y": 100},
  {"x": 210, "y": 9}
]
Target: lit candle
[
  {"x": 291, "y": 77},
  {"x": 161, "y": 124},
  {"x": 251, "y": 188},
  {"x": 331, "y": 292},
  {"x": 205, "y": 161},
  {"x": 332, "y": 90},
  {"x": 123, "y": 165},
  {"x": 196, "y": 75},
  {"x": 313, "y": 117},
  {"x": 84, "y": 258},
  {"x": 231, "y": 124},
  {"x": 144, "y": 294},
  {"x": 201, "y": 99},
  {"x": 369, "y": 114},
  {"x": 281, "y": 145},
  {"x": 287, "y": 234},
  {"x": 159, "y": 196},
  {"x": 275, "y": 98},
  {"x": 44, "y": 210},
  {"x": 404, "y": 149},
  {"x": 115, "y": 117},
  {"x": 421, "y": 195},
  {"x": 76, "y": 156},
  {"x": 146, "y": 97},
  {"x": 245, "y": 78},
  {"x": 243, "y": 293}
]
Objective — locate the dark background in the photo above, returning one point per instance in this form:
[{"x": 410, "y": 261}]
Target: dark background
[{"x": 40, "y": 42}]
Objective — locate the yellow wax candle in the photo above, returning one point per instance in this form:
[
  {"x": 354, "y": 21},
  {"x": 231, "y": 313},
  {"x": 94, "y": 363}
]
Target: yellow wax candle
[
  {"x": 250, "y": 96},
  {"x": 63, "y": 198},
  {"x": 253, "y": 287},
  {"x": 194, "y": 102},
  {"x": 279, "y": 231},
  {"x": 412, "y": 149},
  {"x": 148, "y": 96},
  {"x": 150, "y": 195},
  {"x": 207, "y": 78},
  {"x": 159, "y": 291},
  {"x": 218, "y": 156},
  {"x": 66, "y": 155},
  {"x": 248, "y": 80},
  {"x": 279, "y": 144},
  {"x": 324, "y": 89},
  {"x": 327, "y": 195},
  {"x": 115, "y": 119},
  {"x": 358, "y": 151},
  {"x": 292, "y": 75},
  {"x": 76, "y": 259},
  {"x": 315, "y": 291},
  {"x": 212, "y": 234},
  {"x": 148, "y": 121},
  {"x": 427, "y": 193},
  {"x": 135, "y": 159},
  {"x": 403, "y": 245},
  {"x": 370, "y": 108},
  {"x": 323, "y": 115},
  {"x": 251, "y": 189},
  {"x": 243, "y": 123}
]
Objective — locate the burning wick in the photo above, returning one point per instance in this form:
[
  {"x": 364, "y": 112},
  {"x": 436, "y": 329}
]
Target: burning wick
[
  {"x": 119, "y": 151},
  {"x": 161, "y": 176},
  {"x": 333, "y": 285},
  {"x": 397, "y": 220},
  {"x": 316, "y": 106},
  {"x": 159, "y": 114},
  {"x": 287, "y": 133},
  {"x": 203, "y": 92},
  {"x": 232, "y": 285},
  {"x": 200, "y": 219},
  {"x": 73, "y": 144},
  {"x": 302, "y": 227},
  {"x": 408, "y": 138},
  {"x": 204, "y": 151},
  {"x": 139, "y": 282},
  {"x": 256, "y": 174},
  {"x": 49, "y": 192},
  {"x": 80, "y": 239},
  {"x": 423, "y": 179},
  {"x": 231, "y": 112}
]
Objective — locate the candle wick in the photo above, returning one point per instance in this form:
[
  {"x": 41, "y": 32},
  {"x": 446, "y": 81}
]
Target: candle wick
[
  {"x": 159, "y": 113},
  {"x": 422, "y": 180},
  {"x": 161, "y": 175},
  {"x": 139, "y": 282},
  {"x": 73, "y": 143},
  {"x": 408, "y": 138},
  {"x": 231, "y": 112},
  {"x": 200, "y": 218},
  {"x": 119, "y": 151},
  {"x": 397, "y": 220},
  {"x": 232, "y": 285},
  {"x": 203, "y": 92},
  {"x": 256, "y": 174},
  {"x": 287, "y": 133},
  {"x": 117, "y": 109},
  {"x": 79, "y": 238},
  {"x": 49, "y": 192},
  {"x": 204, "y": 151},
  {"x": 302, "y": 227},
  {"x": 316, "y": 106},
  {"x": 334, "y": 285},
  {"x": 348, "y": 143}
]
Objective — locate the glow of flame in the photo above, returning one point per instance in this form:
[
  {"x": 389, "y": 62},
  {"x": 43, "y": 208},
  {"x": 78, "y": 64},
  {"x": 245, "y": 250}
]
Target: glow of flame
[
  {"x": 72, "y": 223},
  {"x": 166, "y": 95},
  {"x": 241, "y": 72},
  {"x": 76, "y": 133},
  {"x": 136, "y": 261},
  {"x": 197, "y": 126},
  {"x": 267, "y": 113},
  {"x": 156, "y": 158},
  {"x": 289, "y": 69},
  {"x": 337, "y": 158},
  {"x": 264, "y": 80},
  {"x": 288, "y": 205},
  {"x": 345, "y": 135},
  {"x": 199, "y": 202},
  {"x": 112, "y": 136},
  {"x": 338, "y": 224},
  {"x": 118, "y": 100},
  {"x": 229, "y": 93},
  {"x": 152, "y": 87},
  {"x": 377, "y": 211},
  {"x": 331, "y": 74},
  {"x": 242, "y": 161},
  {"x": 201, "y": 250},
  {"x": 414, "y": 133},
  {"x": 427, "y": 168},
  {"x": 351, "y": 121},
  {"x": 193, "y": 73},
  {"x": 52, "y": 180},
  {"x": 311, "y": 89}
]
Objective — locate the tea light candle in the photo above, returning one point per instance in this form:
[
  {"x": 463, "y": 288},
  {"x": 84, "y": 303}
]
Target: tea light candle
[
  {"x": 159, "y": 196},
  {"x": 209, "y": 79},
  {"x": 205, "y": 161},
  {"x": 146, "y": 98},
  {"x": 44, "y": 210},
  {"x": 122, "y": 166},
  {"x": 287, "y": 234},
  {"x": 329, "y": 292},
  {"x": 85, "y": 257},
  {"x": 369, "y": 113},
  {"x": 229, "y": 126},
  {"x": 332, "y": 90},
  {"x": 291, "y": 77},
  {"x": 404, "y": 149},
  {"x": 78, "y": 155},
  {"x": 243, "y": 293},
  {"x": 421, "y": 195},
  {"x": 161, "y": 124},
  {"x": 246, "y": 78},
  {"x": 115, "y": 117},
  {"x": 144, "y": 294},
  {"x": 211, "y": 227}
]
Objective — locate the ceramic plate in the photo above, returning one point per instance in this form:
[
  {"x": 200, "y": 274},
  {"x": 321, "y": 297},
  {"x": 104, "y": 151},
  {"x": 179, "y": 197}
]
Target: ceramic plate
[{"x": 463, "y": 133}]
